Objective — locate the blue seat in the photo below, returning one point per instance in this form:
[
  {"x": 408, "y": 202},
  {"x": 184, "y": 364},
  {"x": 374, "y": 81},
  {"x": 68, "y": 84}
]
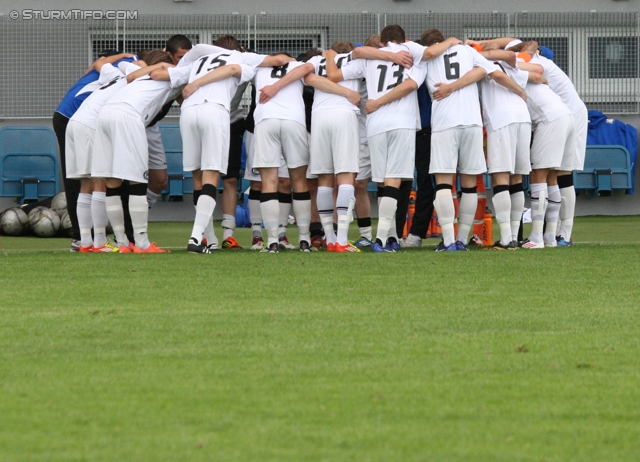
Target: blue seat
[
  {"x": 28, "y": 163},
  {"x": 180, "y": 182},
  {"x": 605, "y": 168}
]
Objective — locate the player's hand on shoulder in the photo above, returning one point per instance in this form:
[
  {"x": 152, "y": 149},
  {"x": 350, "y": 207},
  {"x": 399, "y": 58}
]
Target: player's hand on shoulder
[
  {"x": 403, "y": 58},
  {"x": 443, "y": 91},
  {"x": 329, "y": 54},
  {"x": 451, "y": 41},
  {"x": 267, "y": 92},
  {"x": 189, "y": 89}
]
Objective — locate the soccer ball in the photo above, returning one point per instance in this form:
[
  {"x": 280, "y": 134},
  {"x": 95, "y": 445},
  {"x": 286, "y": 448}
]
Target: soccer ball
[
  {"x": 14, "y": 222},
  {"x": 66, "y": 228},
  {"x": 59, "y": 204},
  {"x": 44, "y": 222}
]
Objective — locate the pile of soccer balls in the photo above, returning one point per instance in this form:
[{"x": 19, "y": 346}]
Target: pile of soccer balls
[{"x": 40, "y": 220}]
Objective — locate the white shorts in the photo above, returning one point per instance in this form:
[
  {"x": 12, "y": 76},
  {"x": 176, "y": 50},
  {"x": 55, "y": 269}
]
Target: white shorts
[
  {"x": 458, "y": 149},
  {"x": 335, "y": 141},
  {"x": 157, "y": 156},
  {"x": 205, "y": 131},
  {"x": 120, "y": 146},
  {"x": 550, "y": 143},
  {"x": 508, "y": 149},
  {"x": 79, "y": 149},
  {"x": 276, "y": 137},
  {"x": 251, "y": 173},
  {"x": 393, "y": 154},
  {"x": 364, "y": 163},
  {"x": 580, "y": 129}
]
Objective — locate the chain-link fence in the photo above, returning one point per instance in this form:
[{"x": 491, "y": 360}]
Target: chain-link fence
[{"x": 41, "y": 59}]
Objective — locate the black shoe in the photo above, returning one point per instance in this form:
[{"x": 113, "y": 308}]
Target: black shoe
[
  {"x": 272, "y": 248},
  {"x": 194, "y": 247},
  {"x": 500, "y": 246},
  {"x": 304, "y": 246}
]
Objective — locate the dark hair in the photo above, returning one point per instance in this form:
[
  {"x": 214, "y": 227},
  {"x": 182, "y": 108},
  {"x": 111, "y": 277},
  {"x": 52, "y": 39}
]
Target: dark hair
[
  {"x": 157, "y": 56},
  {"x": 342, "y": 47},
  {"x": 178, "y": 41},
  {"x": 142, "y": 54},
  {"x": 392, "y": 33},
  {"x": 309, "y": 54},
  {"x": 107, "y": 53},
  {"x": 229, "y": 42},
  {"x": 281, "y": 53},
  {"x": 373, "y": 41},
  {"x": 431, "y": 36}
]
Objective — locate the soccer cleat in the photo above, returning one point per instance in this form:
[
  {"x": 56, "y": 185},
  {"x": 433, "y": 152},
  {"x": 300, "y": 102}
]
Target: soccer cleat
[
  {"x": 306, "y": 247},
  {"x": 392, "y": 245},
  {"x": 107, "y": 248},
  {"x": 194, "y": 247},
  {"x": 331, "y": 247},
  {"x": 461, "y": 246},
  {"x": 126, "y": 249},
  {"x": 153, "y": 248},
  {"x": 318, "y": 242},
  {"x": 349, "y": 248},
  {"x": 257, "y": 244},
  {"x": 363, "y": 242},
  {"x": 230, "y": 243},
  {"x": 446, "y": 248},
  {"x": 527, "y": 244},
  {"x": 285, "y": 244},
  {"x": 75, "y": 246},
  {"x": 84, "y": 249},
  {"x": 377, "y": 248},
  {"x": 273, "y": 248},
  {"x": 412, "y": 241},
  {"x": 550, "y": 244},
  {"x": 562, "y": 242},
  {"x": 500, "y": 246},
  {"x": 476, "y": 241},
  {"x": 212, "y": 247}
]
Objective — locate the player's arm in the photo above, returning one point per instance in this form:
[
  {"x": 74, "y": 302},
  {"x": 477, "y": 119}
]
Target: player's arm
[
  {"x": 445, "y": 89},
  {"x": 535, "y": 77},
  {"x": 508, "y": 57},
  {"x": 269, "y": 91},
  {"x": 98, "y": 63},
  {"x": 402, "y": 58},
  {"x": 333, "y": 72},
  {"x": 492, "y": 44},
  {"x": 438, "y": 48},
  {"x": 531, "y": 67},
  {"x": 219, "y": 73},
  {"x": 507, "y": 82},
  {"x": 328, "y": 86},
  {"x": 275, "y": 61},
  {"x": 399, "y": 91},
  {"x": 149, "y": 70}
]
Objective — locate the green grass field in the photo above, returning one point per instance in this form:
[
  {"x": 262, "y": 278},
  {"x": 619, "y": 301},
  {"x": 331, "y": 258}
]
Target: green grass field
[{"x": 241, "y": 356}]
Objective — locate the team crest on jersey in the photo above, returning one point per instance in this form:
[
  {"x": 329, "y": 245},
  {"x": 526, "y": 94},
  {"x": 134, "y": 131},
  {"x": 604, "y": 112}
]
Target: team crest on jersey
[
  {"x": 146, "y": 175},
  {"x": 255, "y": 171}
]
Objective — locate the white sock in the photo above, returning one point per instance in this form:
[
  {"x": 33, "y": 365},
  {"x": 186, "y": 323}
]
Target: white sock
[
  {"x": 204, "y": 213},
  {"x": 466, "y": 213},
  {"x": 324, "y": 199},
  {"x": 255, "y": 215},
  {"x": 538, "y": 208},
  {"x": 270, "y": 211},
  {"x": 228, "y": 225},
  {"x": 85, "y": 222},
  {"x": 365, "y": 231},
  {"x": 302, "y": 211},
  {"x": 443, "y": 203},
  {"x": 567, "y": 211},
  {"x": 283, "y": 218},
  {"x": 517, "y": 208},
  {"x": 502, "y": 208},
  {"x": 210, "y": 234},
  {"x": 139, "y": 210},
  {"x": 346, "y": 193},
  {"x": 151, "y": 198},
  {"x": 99, "y": 217},
  {"x": 116, "y": 218},
  {"x": 552, "y": 213},
  {"x": 386, "y": 214}
]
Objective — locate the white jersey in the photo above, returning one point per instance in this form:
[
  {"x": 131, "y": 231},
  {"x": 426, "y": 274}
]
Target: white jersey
[
  {"x": 500, "y": 106},
  {"x": 222, "y": 91},
  {"x": 560, "y": 83},
  {"x": 462, "y": 107},
  {"x": 287, "y": 104},
  {"x": 111, "y": 81},
  {"x": 198, "y": 51},
  {"x": 381, "y": 77},
  {"x": 362, "y": 117},
  {"x": 322, "y": 100},
  {"x": 147, "y": 96},
  {"x": 544, "y": 104}
]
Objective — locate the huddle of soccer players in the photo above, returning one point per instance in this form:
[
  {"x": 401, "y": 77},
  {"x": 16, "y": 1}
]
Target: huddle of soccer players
[{"x": 110, "y": 138}]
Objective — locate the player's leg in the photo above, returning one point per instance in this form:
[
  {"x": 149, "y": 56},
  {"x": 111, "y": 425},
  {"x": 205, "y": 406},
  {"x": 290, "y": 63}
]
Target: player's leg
[
  {"x": 230, "y": 185},
  {"x": 157, "y": 165},
  {"x": 501, "y": 154},
  {"x": 326, "y": 207},
  {"x": 425, "y": 192},
  {"x": 345, "y": 203},
  {"x": 285, "y": 201},
  {"x": 516, "y": 188},
  {"x": 363, "y": 202},
  {"x": 444, "y": 159},
  {"x": 471, "y": 163},
  {"x": 255, "y": 189},
  {"x": 99, "y": 211}
]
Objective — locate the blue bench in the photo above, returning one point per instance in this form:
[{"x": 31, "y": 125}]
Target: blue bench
[
  {"x": 605, "y": 168},
  {"x": 28, "y": 163},
  {"x": 179, "y": 181}
]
